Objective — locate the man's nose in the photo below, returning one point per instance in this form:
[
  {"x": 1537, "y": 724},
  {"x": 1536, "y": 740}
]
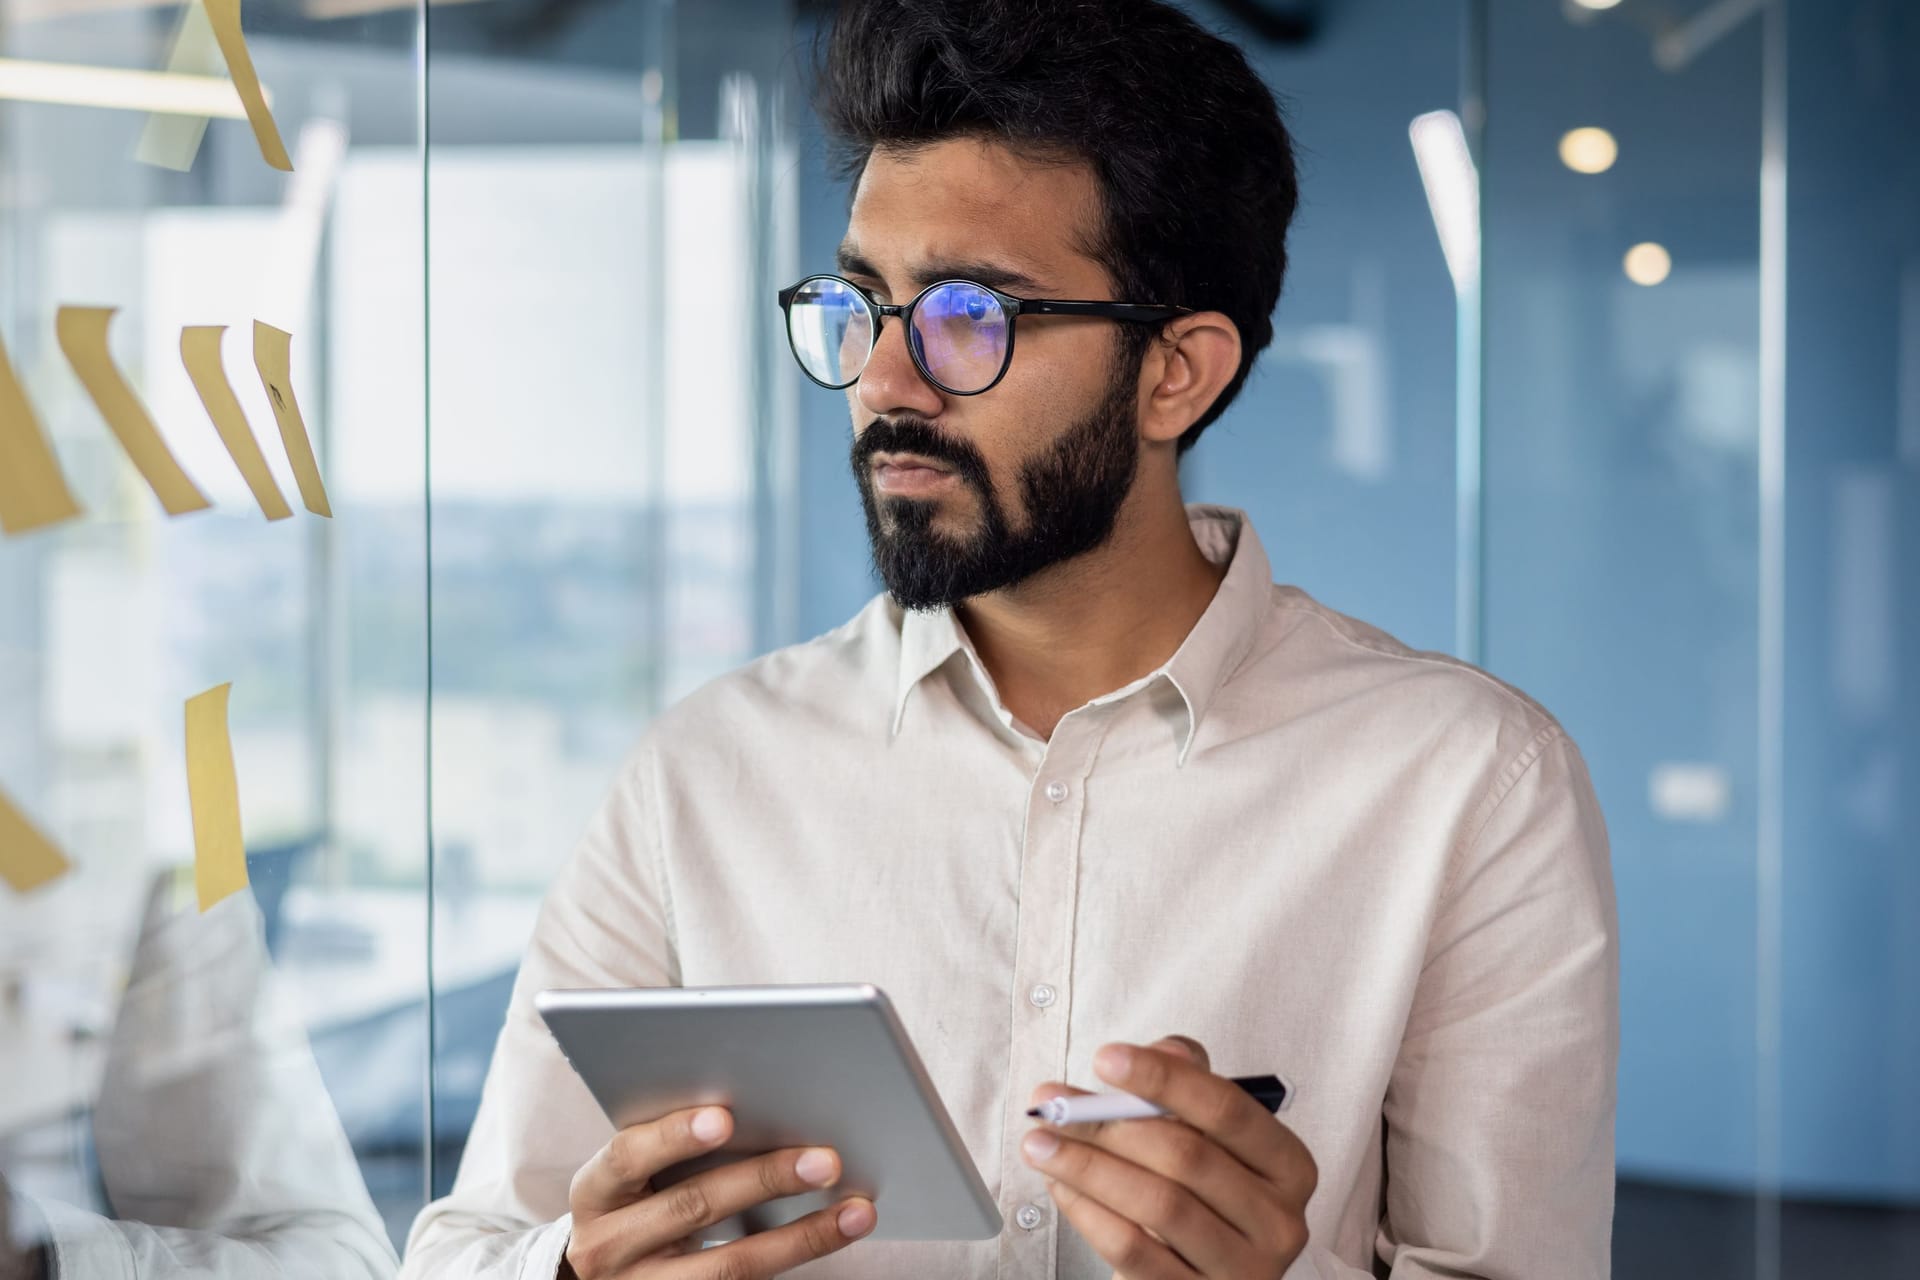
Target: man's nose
[{"x": 891, "y": 382}]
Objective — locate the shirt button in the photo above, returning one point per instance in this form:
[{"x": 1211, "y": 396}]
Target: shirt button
[
  {"x": 1042, "y": 996},
  {"x": 1056, "y": 791},
  {"x": 1029, "y": 1216}
]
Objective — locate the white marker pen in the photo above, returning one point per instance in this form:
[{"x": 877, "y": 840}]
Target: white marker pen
[{"x": 1269, "y": 1091}]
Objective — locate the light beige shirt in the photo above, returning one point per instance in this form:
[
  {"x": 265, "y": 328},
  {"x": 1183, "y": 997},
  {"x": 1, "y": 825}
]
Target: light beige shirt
[{"x": 1379, "y": 873}]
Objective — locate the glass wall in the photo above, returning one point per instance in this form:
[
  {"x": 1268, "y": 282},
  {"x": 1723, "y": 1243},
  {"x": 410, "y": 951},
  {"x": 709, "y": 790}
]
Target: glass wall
[
  {"x": 555, "y": 229},
  {"x": 1699, "y": 510},
  {"x": 610, "y": 206},
  {"x": 1623, "y": 560},
  {"x": 1842, "y": 492},
  {"x": 257, "y": 1058},
  {"x": 1599, "y": 364}
]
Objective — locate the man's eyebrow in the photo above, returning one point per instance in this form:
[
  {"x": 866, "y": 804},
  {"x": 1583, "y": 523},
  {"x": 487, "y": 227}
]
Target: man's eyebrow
[{"x": 926, "y": 273}]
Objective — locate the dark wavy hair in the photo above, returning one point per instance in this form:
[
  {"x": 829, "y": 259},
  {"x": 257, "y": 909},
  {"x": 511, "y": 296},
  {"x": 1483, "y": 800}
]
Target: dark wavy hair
[{"x": 1194, "y": 166}]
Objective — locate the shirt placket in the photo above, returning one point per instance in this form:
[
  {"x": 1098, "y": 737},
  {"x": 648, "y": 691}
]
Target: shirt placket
[{"x": 1042, "y": 984}]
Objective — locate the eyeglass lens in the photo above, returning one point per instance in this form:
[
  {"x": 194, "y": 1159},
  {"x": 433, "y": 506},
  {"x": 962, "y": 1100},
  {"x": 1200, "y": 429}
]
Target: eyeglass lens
[
  {"x": 832, "y": 330},
  {"x": 959, "y": 333}
]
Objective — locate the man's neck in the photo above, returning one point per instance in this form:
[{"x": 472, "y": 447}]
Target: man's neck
[{"x": 1099, "y": 622}]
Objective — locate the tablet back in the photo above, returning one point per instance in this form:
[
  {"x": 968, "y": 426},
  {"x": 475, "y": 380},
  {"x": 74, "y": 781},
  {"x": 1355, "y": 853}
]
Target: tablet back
[{"x": 814, "y": 1065}]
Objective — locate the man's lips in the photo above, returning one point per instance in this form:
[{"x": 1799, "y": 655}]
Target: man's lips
[
  {"x": 908, "y": 460},
  {"x": 909, "y": 474}
]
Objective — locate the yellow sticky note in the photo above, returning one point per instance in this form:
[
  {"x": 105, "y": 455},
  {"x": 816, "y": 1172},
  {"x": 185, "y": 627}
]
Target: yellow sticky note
[
  {"x": 200, "y": 350},
  {"x": 27, "y": 858},
  {"x": 33, "y": 493},
  {"x": 83, "y": 337},
  {"x": 170, "y": 139},
  {"x": 225, "y": 16},
  {"x": 219, "y": 852},
  {"x": 272, "y": 356}
]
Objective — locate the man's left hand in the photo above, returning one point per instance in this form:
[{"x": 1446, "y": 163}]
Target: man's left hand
[{"x": 1217, "y": 1188}]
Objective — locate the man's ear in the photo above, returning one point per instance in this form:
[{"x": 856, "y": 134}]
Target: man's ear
[{"x": 1190, "y": 363}]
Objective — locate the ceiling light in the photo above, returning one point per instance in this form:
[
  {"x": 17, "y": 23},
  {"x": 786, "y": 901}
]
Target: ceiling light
[
  {"x": 67, "y": 84},
  {"x": 1647, "y": 263},
  {"x": 1588, "y": 150},
  {"x": 1452, "y": 184},
  {"x": 1596, "y": 4}
]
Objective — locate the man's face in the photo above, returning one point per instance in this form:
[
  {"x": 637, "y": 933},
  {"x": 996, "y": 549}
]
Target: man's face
[{"x": 968, "y": 494}]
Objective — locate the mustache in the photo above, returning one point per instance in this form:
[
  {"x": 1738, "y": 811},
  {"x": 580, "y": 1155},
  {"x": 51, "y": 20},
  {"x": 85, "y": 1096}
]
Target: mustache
[{"x": 917, "y": 435}]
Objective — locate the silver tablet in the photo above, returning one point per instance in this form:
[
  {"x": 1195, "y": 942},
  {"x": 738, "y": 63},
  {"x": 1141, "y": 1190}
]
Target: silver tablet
[{"x": 817, "y": 1065}]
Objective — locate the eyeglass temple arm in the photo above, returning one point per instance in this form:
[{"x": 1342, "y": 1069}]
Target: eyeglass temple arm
[
  {"x": 1106, "y": 310},
  {"x": 1029, "y": 306}
]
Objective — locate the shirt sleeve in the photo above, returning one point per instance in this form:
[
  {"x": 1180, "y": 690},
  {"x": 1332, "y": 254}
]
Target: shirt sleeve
[
  {"x": 1499, "y": 1112},
  {"x": 605, "y": 923},
  {"x": 219, "y": 1149},
  {"x": 323, "y": 1245}
]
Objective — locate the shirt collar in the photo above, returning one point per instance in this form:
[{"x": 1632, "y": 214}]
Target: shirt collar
[
  {"x": 927, "y": 639},
  {"x": 1210, "y": 654},
  {"x": 1221, "y": 640}
]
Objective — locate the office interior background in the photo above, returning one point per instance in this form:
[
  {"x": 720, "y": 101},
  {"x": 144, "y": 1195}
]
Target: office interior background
[{"x": 1598, "y": 364}]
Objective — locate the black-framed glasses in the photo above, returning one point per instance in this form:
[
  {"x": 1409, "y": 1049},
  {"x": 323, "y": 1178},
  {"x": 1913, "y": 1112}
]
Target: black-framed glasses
[{"x": 960, "y": 334}]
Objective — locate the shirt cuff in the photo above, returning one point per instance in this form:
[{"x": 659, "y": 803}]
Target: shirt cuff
[
  {"x": 542, "y": 1260},
  {"x": 82, "y": 1244}
]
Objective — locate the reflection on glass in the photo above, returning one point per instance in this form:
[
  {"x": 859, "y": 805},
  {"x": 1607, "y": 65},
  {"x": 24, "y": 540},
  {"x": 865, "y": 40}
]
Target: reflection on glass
[
  {"x": 216, "y": 1146},
  {"x": 227, "y": 1093}
]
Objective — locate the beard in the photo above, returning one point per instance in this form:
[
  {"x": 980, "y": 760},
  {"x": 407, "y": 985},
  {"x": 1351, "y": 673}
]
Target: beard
[{"x": 1072, "y": 492}]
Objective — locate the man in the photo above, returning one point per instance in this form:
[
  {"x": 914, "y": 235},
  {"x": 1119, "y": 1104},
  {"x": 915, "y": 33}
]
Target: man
[{"x": 1084, "y": 781}]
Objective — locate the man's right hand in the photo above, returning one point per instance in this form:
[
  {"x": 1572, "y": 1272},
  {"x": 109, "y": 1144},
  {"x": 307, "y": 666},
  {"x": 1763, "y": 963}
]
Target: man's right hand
[{"x": 624, "y": 1228}]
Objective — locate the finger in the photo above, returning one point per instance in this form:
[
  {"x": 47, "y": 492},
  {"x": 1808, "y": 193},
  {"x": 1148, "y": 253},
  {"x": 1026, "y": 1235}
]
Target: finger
[
  {"x": 1195, "y": 1051},
  {"x": 780, "y": 1249},
  {"x": 1158, "y": 1204},
  {"x": 622, "y": 1171},
  {"x": 1129, "y": 1250},
  {"x": 1060, "y": 1089},
  {"x": 1244, "y": 1199},
  {"x": 1087, "y": 1130},
  {"x": 1053, "y": 1089},
  {"x": 672, "y": 1249},
  {"x": 640, "y": 1229},
  {"x": 1218, "y": 1108}
]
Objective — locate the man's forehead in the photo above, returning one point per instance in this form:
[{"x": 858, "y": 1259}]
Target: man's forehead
[{"x": 968, "y": 202}]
